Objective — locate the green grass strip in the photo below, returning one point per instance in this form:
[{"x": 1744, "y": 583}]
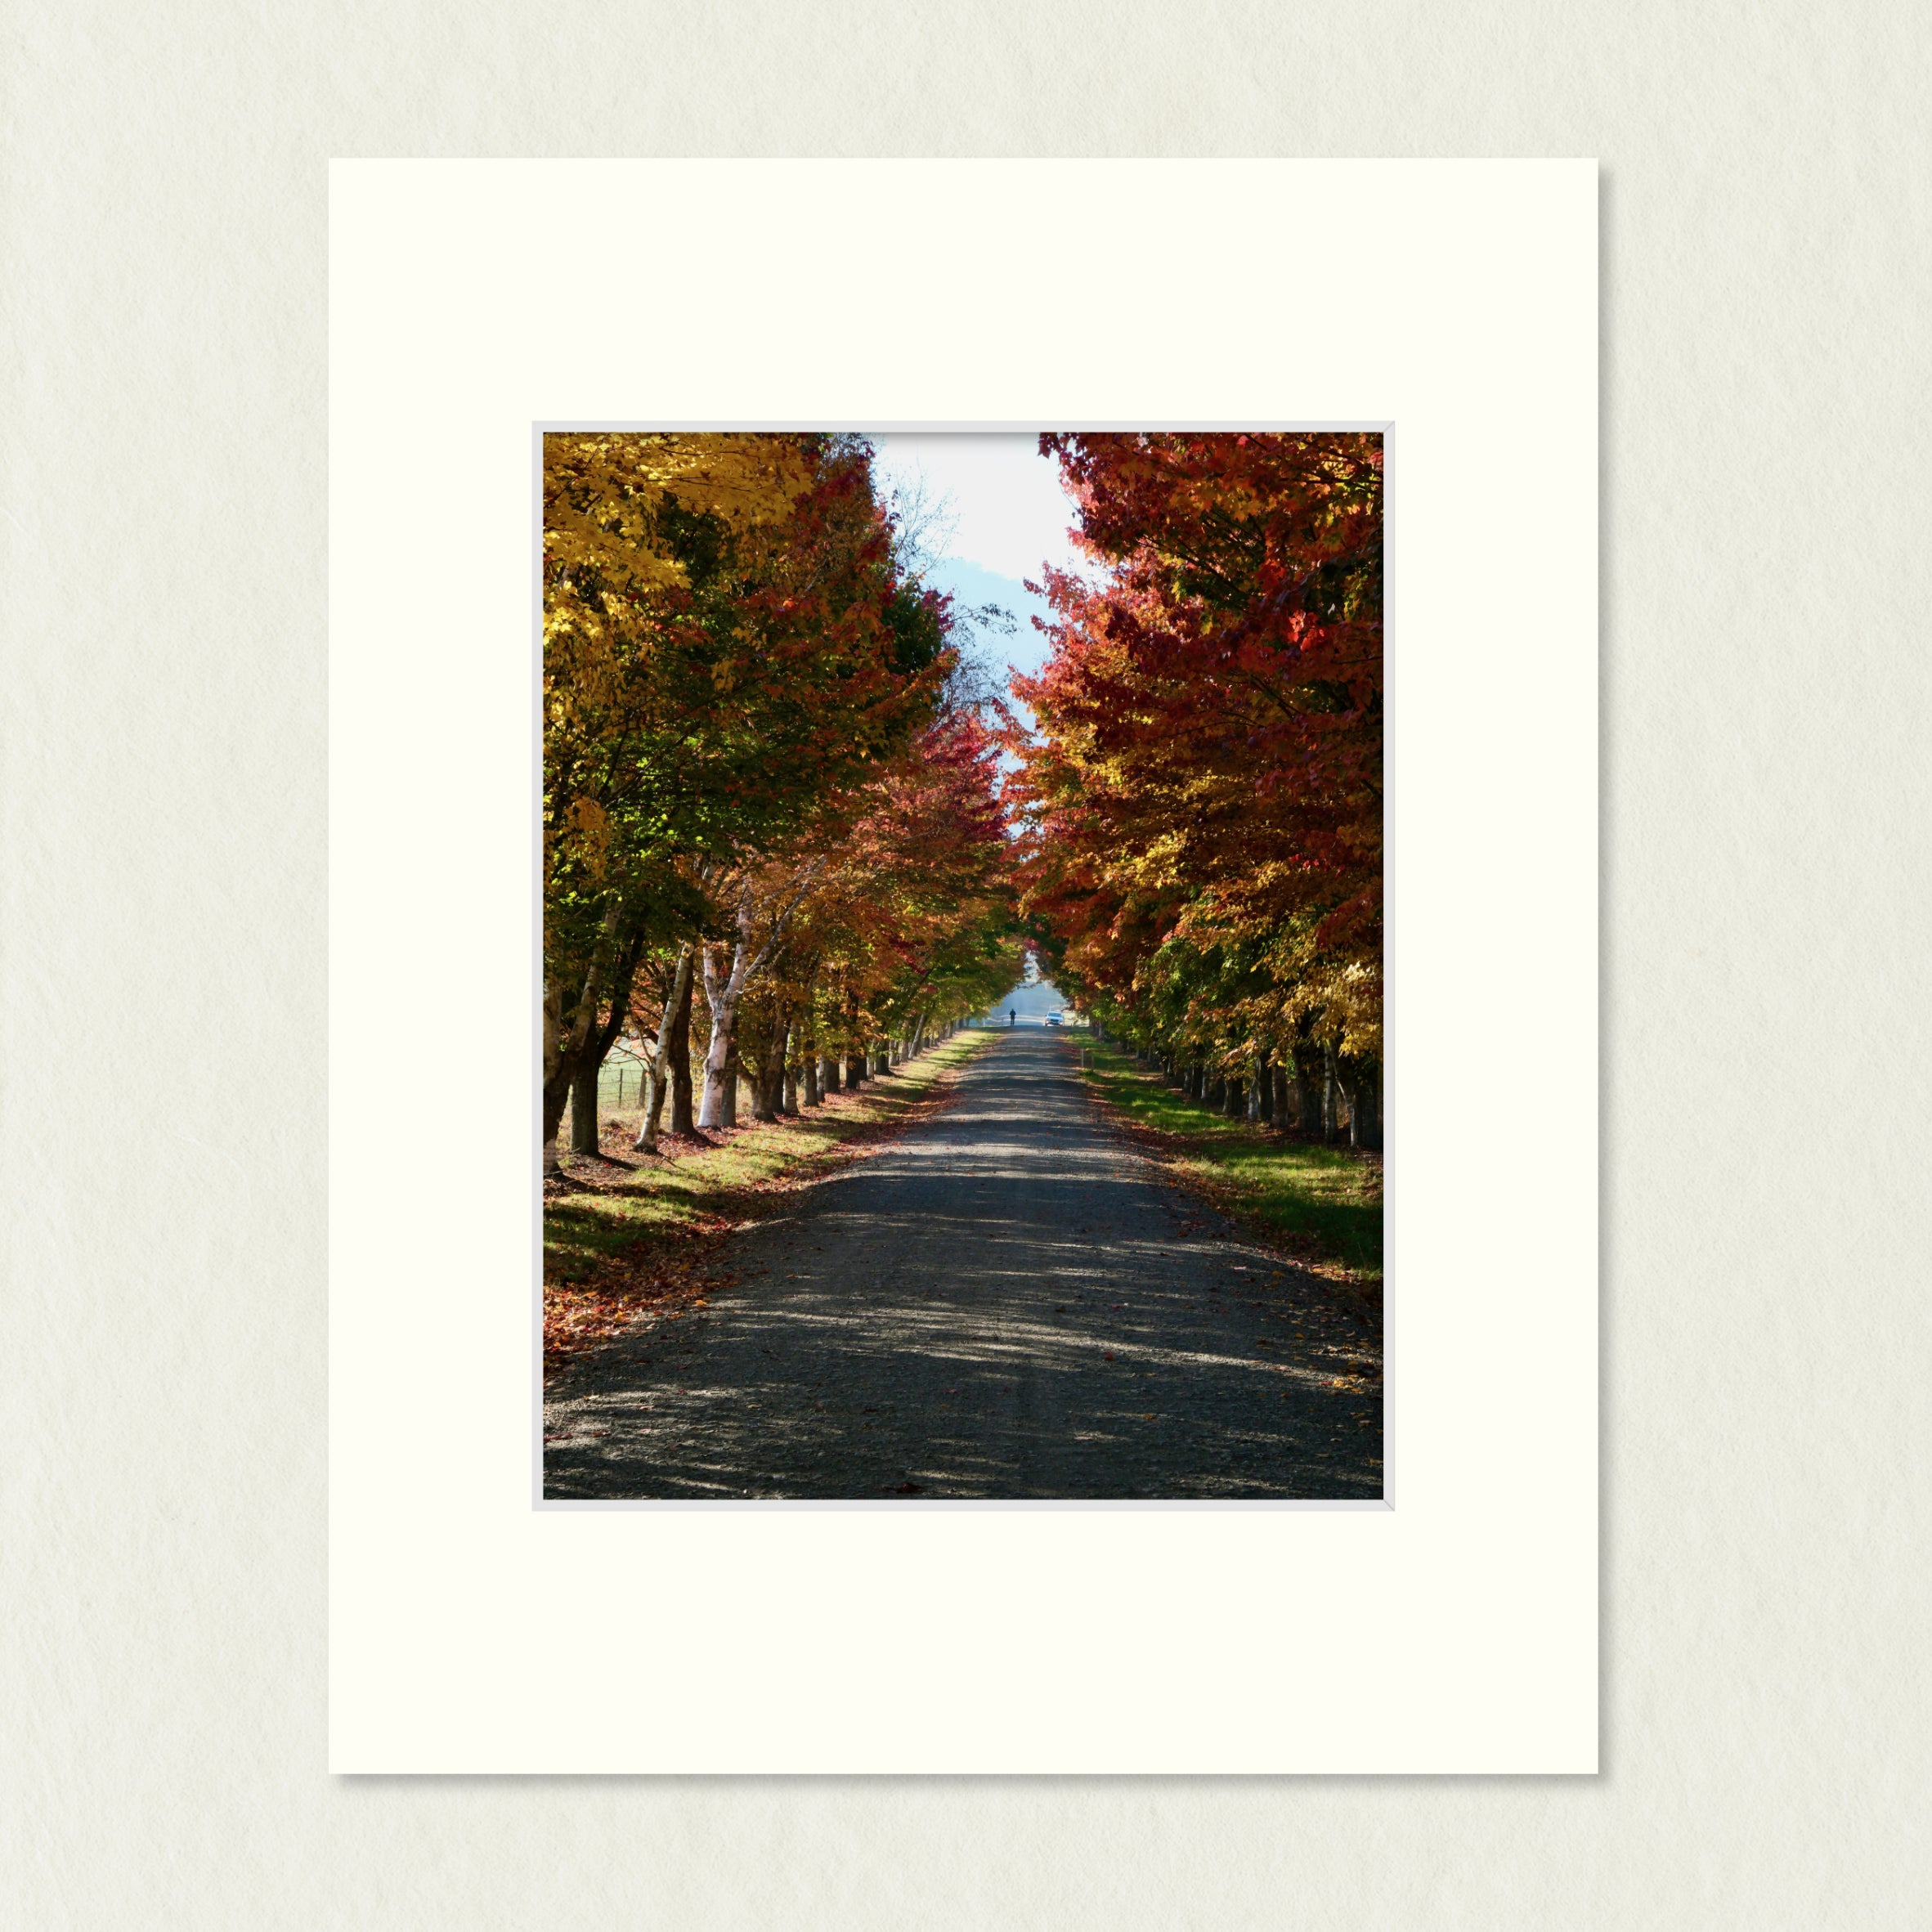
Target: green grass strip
[{"x": 1324, "y": 1203}]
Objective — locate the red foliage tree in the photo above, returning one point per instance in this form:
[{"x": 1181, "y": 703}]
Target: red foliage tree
[{"x": 1208, "y": 769}]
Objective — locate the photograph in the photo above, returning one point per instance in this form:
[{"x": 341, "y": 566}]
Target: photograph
[{"x": 962, "y": 1040}]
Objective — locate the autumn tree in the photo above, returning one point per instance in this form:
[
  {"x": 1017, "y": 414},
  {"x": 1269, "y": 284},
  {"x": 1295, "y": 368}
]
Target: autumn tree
[
  {"x": 1204, "y": 790},
  {"x": 727, "y": 644}
]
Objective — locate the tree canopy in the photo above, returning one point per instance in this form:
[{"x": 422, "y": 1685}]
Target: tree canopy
[
  {"x": 772, "y": 772},
  {"x": 744, "y": 694},
  {"x": 1204, "y": 786}
]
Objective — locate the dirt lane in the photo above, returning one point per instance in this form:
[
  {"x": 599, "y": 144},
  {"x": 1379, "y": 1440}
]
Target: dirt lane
[{"x": 1008, "y": 1302}]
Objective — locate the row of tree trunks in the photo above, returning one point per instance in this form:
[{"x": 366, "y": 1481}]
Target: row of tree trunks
[
  {"x": 1329, "y": 1095},
  {"x": 787, "y": 1072}
]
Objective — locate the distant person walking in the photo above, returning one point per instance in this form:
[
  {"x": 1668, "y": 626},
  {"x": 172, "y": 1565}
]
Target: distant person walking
[{"x": 1012, "y": 1016}]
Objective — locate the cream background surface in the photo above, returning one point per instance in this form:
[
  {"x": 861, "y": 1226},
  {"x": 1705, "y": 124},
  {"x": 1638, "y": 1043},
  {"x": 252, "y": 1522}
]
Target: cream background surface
[
  {"x": 1455, "y": 1628},
  {"x": 162, "y": 403}
]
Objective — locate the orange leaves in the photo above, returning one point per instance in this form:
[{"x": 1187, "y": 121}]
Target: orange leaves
[
  {"x": 1209, "y": 753},
  {"x": 918, "y": 886}
]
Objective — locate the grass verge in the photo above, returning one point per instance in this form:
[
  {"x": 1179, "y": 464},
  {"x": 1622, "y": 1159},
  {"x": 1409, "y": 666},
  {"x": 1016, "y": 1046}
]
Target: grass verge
[
  {"x": 630, "y": 1238},
  {"x": 1323, "y": 1205}
]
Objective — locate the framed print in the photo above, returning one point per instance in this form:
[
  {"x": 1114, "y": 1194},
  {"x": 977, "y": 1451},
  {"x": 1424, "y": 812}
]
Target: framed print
[{"x": 901, "y": 1228}]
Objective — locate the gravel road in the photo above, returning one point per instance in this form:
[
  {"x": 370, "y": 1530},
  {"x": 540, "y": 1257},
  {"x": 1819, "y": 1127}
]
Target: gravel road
[{"x": 1008, "y": 1301}]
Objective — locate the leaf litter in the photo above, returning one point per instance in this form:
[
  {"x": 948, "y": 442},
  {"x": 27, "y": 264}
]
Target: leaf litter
[{"x": 670, "y": 1272}]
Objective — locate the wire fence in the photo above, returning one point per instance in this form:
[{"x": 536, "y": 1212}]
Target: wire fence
[
  {"x": 622, "y": 1080},
  {"x": 620, "y": 1085}
]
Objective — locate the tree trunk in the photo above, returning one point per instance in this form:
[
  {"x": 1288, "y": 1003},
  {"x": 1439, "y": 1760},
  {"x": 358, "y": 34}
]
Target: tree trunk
[
  {"x": 1264, "y": 1089},
  {"x": 682, "y": 1120},
  {"x": 720, "y": 1107},
  {"x": 1362, "y": 1083},
  {"x": 766, "y": 1071},
  {"x": 725, "y": 994},
  {"x": 586, "y": 1036},
  {"x": 772, "y": 1075},
  {"x": 1282, "y": 1088},
  {"x": 1308, "y": 1090},
  {"x": 784, "y": 1093},
  {"x": 583, "y": 1111},
  {"x": 1233, "y": 1106},
  {"x": 782, "y": 1100},
  {"x": 553, "y": 1008},
  {"x": 599, "y": 1036},
  {"x": 828, "y": 1074},
  {"x": 808, "y": 1059},
  {"x": 1217, "y": 1094},
  {"x": 565, "y": 1037},
  {"x": 658, "y": 1070}
]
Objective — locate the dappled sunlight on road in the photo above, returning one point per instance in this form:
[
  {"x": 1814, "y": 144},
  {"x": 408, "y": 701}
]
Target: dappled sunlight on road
[{"x": 1008, "y": 1302}]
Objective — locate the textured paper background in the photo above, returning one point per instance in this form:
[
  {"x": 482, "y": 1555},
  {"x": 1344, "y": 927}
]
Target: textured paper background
[{"x": 1767, "y": 281}]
